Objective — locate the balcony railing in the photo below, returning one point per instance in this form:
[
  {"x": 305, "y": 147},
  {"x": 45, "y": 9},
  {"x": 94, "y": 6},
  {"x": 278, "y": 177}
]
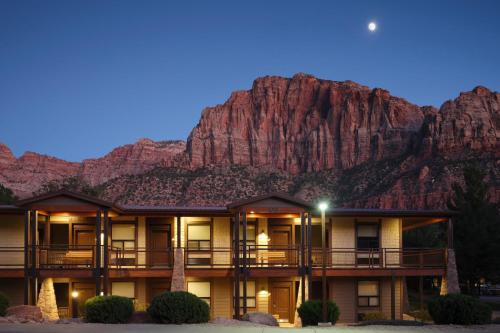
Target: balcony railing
[
  {"x": 257, "y": 256},
  {"x": 379, "y": 258}
]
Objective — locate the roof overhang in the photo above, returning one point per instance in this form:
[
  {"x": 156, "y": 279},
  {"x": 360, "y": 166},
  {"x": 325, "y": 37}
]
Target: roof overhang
[{"x": 271, "y": 203}]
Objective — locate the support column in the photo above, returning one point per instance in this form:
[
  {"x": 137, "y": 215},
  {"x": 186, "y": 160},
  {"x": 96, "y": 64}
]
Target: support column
[
  {"x": 421, "y": 294},
  {"x": 97, "y": 269},
  {"x": 393, "y": 297},
  {"x": 26, "y": 257},
  {"x": 309, "y": 256},
  {"x": 236, "y": 237},
  {"x": 178, "y": 222},
  {"x": 33, "y": 259},
  {"x": 106, "y": 253},
  {"x": 449, "y": 281},
  {"x": 245, "y": 271},
  {"x": 303, "y": 257}
]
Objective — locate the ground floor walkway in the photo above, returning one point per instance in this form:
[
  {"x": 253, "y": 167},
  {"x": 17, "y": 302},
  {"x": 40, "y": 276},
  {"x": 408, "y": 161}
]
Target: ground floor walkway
[{"x": 212, "y": 328}]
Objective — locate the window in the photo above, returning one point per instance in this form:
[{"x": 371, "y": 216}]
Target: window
[
  {"x": 199, "y": 236},
  {"x": 251, "y": 294},
  {"x": 123, "y": 236},
  {"x": 368, "y": 236},
  {"x": 125, "y": 289},
  {"x": 368, "y": 293},
  {"x": 200, "y": 289},
  {"x": 251, "y": 233}
]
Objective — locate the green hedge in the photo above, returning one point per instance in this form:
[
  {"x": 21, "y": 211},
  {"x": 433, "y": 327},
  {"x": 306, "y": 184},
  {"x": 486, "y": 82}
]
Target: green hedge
[
  {"x": 311, "y": 312},
  {"x": 179, "y": 307},
  {"x": 108, "y": 309},
  {"x": 4, "y": 304},
  {"x": 459, "y": 309}
]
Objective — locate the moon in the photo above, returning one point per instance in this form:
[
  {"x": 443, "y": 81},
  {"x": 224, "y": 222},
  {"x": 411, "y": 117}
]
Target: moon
[{"x": 372, "y": 26}]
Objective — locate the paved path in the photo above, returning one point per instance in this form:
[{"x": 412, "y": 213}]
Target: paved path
[{"x": 210, "y": 328}]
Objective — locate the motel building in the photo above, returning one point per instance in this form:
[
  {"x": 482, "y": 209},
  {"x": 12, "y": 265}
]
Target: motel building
[{"x": 262, "y": 254}]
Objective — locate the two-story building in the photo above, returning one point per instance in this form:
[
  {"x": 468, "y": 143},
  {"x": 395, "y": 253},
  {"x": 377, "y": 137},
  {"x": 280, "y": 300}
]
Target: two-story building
[{"x": 262, "y": 254}]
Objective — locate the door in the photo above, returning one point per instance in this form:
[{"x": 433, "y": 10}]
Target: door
[
  {"x": 281, "y": 252},
  {"x": 85, "y": 291},
  {"x": 82, "y": 253},
  {"x": 83, "y": 236},
  {"x": 282, "y": 301},
  {"x": 159, "y": 245}
]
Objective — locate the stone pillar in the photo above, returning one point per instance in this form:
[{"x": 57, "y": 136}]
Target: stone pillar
[
  {"x": 449, "y": 283},
  {"x": 297, "y": 322},
  {"x": 47, "y": 300},
  {"x": 178, "y": 272}
]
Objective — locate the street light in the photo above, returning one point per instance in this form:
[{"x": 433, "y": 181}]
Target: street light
[{"x": 323, "y": 206}]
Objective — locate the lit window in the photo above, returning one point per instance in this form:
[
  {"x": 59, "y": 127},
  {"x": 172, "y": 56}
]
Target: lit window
[
  {"x": 200, "y": 289},
  {"x": 368, "y": 293},
  {"x": 125, "y": 289},
  {"x": 123, "y": 236},
  {"x": 198, "y": 236},
  {"x": 251, "y": 294}
]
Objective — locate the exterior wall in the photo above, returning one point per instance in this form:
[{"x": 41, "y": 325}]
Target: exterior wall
[
  {"x": 221, "y": 298},
  {"x": 343, "y": 292},
  {"x": 12, "y": 231},
  {"x": 385, "y": 297},
  {"x": 221, "y": 241},
  {"x": 14, "y": 290},
  {"x": 391, "y": 238},
  {"x": 343, "y": 236}
]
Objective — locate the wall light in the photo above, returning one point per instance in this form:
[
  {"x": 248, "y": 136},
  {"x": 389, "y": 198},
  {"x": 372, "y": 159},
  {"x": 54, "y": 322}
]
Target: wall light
[
  {"x": 74, "y": 294},
  {"x": 264, "y": 293},
  {"x": 262, "y": 237}
]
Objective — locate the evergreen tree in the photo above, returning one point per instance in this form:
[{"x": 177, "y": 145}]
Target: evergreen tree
[
  {"x": 476, "y": 230},
  {"x": 6, "y": 195}
]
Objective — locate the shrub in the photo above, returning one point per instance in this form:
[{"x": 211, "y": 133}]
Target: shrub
[
  {"x": 311, "y": 312},
  {"x": 459, "y": 309},
  {"x": 179, "y": 307},
  {"x": 108, "y": 309},
  {"x": 377, "y": 315},
  {"x": 4, "y": 304}
]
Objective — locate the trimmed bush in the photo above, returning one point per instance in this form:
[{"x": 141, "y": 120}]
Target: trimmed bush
[
  {"x": 4, "y": 304},
  {"x": 108, "y": 309},
  {"x": 459, "y": 309},
  {"x": 311, "y": 312},
  {"x": 179, "y": 307},
  {"x": 371, "y": 316}
]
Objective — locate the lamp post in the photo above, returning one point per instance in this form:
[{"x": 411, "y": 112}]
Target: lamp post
[
  {"x": 323, "y": 206},
  {"x": 74, "y": 303}
]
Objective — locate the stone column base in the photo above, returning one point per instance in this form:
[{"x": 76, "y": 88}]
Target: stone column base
[{"x": 178, "y": 277}]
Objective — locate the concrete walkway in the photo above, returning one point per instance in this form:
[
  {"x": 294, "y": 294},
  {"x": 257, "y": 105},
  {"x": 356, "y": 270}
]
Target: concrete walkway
[{"x": 211, "y": 328}]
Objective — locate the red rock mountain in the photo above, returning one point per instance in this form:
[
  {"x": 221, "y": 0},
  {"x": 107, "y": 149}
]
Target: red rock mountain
[{"x": 302, "y": 135}]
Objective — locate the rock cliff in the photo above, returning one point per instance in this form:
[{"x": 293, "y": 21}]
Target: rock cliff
[{"x": 302, "y": 135}]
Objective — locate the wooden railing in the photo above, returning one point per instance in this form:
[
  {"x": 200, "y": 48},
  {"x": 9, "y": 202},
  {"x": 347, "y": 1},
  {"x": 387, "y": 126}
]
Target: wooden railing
[
  {"x": 257, "y": 256},
  {"x": 379, "y": 258}
]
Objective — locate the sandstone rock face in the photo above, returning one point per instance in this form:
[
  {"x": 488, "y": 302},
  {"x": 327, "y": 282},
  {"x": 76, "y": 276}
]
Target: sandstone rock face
[
  {"x": 309, "y": 137},
  {"x": 304, "y": 124}
]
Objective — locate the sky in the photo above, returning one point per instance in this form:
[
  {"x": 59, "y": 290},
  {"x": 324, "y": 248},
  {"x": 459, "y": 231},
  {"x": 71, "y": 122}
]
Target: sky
[{"x": 79, "y": 78}]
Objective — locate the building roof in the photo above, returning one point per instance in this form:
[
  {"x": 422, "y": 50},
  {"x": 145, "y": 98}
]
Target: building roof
[{"x": 21, "y": 205}]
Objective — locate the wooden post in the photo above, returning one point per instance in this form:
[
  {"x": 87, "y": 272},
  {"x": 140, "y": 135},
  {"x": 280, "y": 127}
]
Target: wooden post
[
  {"x": 303, "y": 256},
  {"x": 106, "y": 252},
  {"x": 33, "y": 232},
  {"x": 421, "y": 295},
  {"x": 245, "y": 277},
  {"x": 178, "y": 221},
  {"x": 236, "y": 229},
  {"x": 393, "y": 297},
  {"x": 450, "y": 233},
  {"x": 26, "y": 257},
  {"x": 97, "y": 270},
  {"x": 309, "y": 258}
]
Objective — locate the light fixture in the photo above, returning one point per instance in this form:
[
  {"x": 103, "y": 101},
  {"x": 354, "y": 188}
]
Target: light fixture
[
  {"x": 74, "y": 294},
  {"x": 101, "y": 293},
  {"x": 323, "y": 206},
  {"x": 264, "y": 293},
  {"x": 263, "y": 237},
  {"x": 252, "y": 212}
]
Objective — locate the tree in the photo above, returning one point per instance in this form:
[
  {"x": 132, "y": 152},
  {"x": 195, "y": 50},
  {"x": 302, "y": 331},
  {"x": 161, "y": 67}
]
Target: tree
[
  {"x": 6, "y": 195},
  {"x": 476, "y": 230}
]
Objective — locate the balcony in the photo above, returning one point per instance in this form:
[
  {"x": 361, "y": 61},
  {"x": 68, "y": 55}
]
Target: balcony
[{"x": 66, "y": 257}]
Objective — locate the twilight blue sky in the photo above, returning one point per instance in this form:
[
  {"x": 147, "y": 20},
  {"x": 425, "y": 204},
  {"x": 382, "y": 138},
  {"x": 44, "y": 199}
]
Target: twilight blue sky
[{"x": 78, "y": 78}]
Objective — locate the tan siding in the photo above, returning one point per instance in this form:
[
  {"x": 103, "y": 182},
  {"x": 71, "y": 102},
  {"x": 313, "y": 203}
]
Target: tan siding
[
  {"x": 140, "y": 291},
  {"x": 390, "y": 239},
  {"x": 385, "y": 297},
  {"x": 12, "y": 232},
  {"x": 222, "y": 241},
  {"x": 141, "y": 240},
  {"x": 343, "y": 292},
  {"x": 262, "y": 297},
  {"x": 221, "y": 298},
  {"x": 343, "y": 237}
]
